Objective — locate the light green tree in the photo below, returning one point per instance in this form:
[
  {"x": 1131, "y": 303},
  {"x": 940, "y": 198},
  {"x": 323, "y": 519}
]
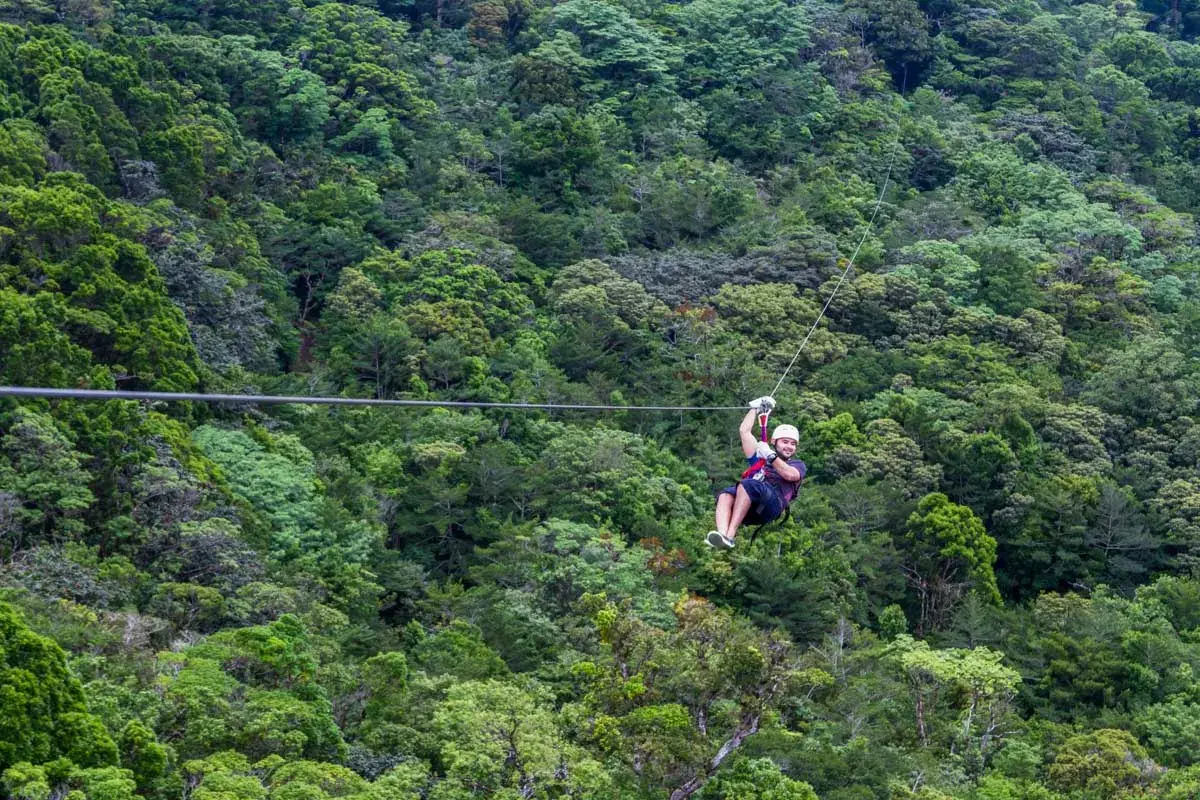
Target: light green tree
[
  {"x": 972, "y": 680},
  {"x": 498, "y": 739},
  {"x": 946, "y": 553}
]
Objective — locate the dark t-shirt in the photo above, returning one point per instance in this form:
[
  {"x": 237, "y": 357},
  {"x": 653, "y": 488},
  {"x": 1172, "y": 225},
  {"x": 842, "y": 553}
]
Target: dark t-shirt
[{"x": 787, "y": 489}]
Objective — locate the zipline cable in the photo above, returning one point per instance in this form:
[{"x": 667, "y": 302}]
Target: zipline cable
[
  {"x": 846, "y": 271},
  {"x": 105, "y": 394}
]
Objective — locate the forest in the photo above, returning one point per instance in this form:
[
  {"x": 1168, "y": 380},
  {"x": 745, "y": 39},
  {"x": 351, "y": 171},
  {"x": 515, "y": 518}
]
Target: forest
[{"x": 988, "y": 587}]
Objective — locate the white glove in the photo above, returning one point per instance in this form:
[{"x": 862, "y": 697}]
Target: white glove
[
  {"x": 763, "y": 450},
  {"x": 762, "y": 404}
]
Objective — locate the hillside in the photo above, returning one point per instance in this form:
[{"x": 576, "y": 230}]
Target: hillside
[{"x": 988, "y": 588}]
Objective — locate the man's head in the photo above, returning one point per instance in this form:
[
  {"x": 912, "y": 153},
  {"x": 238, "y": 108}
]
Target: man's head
[{"x": 784, "y": 439}]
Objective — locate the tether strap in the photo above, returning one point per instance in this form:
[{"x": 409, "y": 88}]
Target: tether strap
[{"x": 762, "y": 432}]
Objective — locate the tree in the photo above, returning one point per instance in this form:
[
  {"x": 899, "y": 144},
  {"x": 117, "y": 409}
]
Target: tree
[
  {"x": 329, "y": 229},
  {"x": 756, "y": 779},
  {"x": 1008, "y": 268},
  {"x": 1149, "y": 381},
  {"x": 770, "y": 317},
  {"x": 976, "y": 470},
  {"x": 742, "y": 63},
  {"x": 1171, "y": 731},
  {"x": 370, "y": 136},
  {"x": 106, "y": 292},
  {"x": 1042, "y": 531},
  {"x": 252, "y": 689},
  {"x": 620, "y": 49},
  {"x": 27, "y": 782},
  {"x": 685, "y": 199},
  {"x": 141, "y": 754},
  {"x": 899, "y": 32},
  {"x": 941, "y": 265},
  {"x": 45, "y": 478},
  {"x": 189, "y": 157},
  {"x": 1133, "y": 122},
  {"x": 35, "y": 350},
  {"x": 458, "y": 650},
  {"x": 736, "y": 42},
  {"x": 45, "y": 712},
  {"x": 1178, "y": 504},
  {"x": 274, "y": 477},
  {"x": 23, "y": 148},
  {"x": 73, "y": 108},
  {"x": 604, "y": 319},
  {"x": 1127, "y": 548},
  {"x": 362, "y": 341},
  {"x": 496, "y": 737},
  {"x": 985, "y": 690},
  {"x": 604, "y": 475},
  {"x": 1103, "y": 763},
  {"x": 233, "y": 316},
  {"x": 558, "y": 152},
  {"x": 454, "y": 276},
  {"x": 730, "y": 676},
  {"x": 946, "y": 553}
]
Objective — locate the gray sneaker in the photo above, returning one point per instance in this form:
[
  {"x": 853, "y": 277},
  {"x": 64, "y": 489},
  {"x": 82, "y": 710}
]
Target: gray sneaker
[{"x": 717, "y": 539}]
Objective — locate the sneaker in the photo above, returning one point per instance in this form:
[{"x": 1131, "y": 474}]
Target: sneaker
[{"x": 717, "y": 539}]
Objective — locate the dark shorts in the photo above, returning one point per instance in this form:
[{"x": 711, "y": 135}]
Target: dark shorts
[{"x": 765, "y": 503}]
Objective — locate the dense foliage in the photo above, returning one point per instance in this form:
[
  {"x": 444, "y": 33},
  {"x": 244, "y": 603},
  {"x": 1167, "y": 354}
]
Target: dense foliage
[{"x": 988, "y": 589}]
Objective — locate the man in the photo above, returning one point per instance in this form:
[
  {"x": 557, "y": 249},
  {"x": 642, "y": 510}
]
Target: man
[{"x": 762, "y": 494}]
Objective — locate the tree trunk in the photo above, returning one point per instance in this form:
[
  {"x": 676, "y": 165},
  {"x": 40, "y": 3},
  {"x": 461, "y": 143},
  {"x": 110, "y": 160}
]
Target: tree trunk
[
  {"x": 920, "y": 704},
  {"x": 691, "y": 787},
  {"x": 749, "y": 727}
]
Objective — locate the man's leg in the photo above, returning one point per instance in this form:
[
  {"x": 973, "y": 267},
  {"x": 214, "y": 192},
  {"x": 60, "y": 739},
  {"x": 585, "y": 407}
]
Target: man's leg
[
  {"x": 741, "y": 507},
  {"x": 724, "y": 511}
]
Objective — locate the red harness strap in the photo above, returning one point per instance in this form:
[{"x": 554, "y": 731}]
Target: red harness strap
[{"x": 762, "y": 430}]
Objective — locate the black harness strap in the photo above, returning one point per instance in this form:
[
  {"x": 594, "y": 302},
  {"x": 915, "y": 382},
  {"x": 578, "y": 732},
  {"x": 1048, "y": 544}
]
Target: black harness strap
[{"x": 782, "y": 518}]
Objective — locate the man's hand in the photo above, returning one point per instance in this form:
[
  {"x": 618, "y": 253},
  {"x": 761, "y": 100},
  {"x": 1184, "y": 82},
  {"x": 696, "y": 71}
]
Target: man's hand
[
  {"x": 761, "y": 404},
  {"x": 763, "y": 451}
]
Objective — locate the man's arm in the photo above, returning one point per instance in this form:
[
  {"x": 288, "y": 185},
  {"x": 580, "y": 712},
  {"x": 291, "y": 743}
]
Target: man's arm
[
  {"x": 786, "y": 470},
  {"x": 746, "y": 432}
]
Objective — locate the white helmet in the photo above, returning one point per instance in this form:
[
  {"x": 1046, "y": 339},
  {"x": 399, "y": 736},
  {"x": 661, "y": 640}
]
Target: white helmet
[{"x": 785, "y": 432}]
